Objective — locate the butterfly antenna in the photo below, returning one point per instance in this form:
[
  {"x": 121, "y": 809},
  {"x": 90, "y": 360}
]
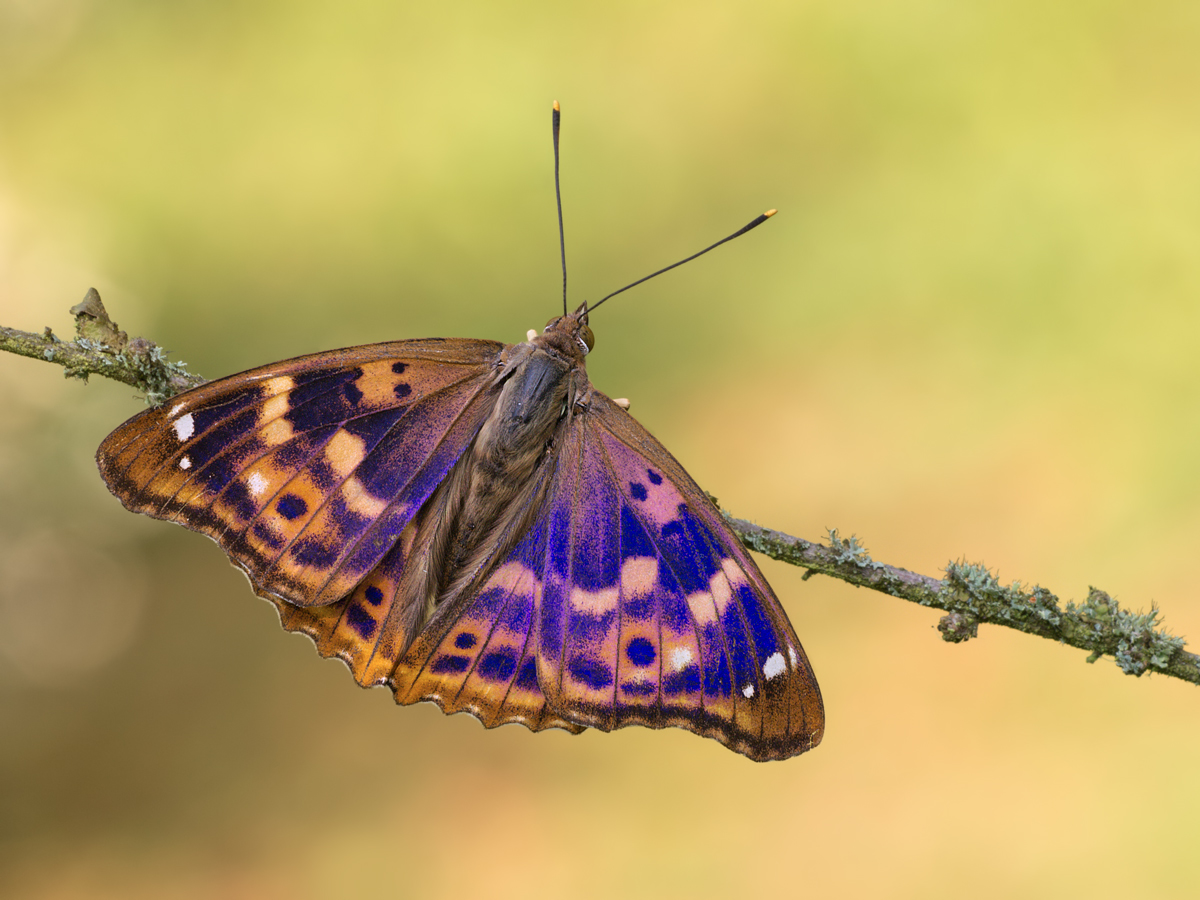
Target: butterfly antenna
[
  {"x": 758, "y": 221},
  {"x": 562, "y": 241}
]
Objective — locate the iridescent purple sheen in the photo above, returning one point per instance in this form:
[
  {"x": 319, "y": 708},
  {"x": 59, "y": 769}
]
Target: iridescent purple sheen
[
  {"x": 550, "y": 624},
  {"x": 516, "y": 617},
  {"x": 686, "y": 545},
  {"x": 238, "y": 496},
  {"x": 217, "y": 473},
  {"x": 349, "y": 521},
  {"x": 215, "y": 441},
  {"x": 639, "y": 688},
  {"x": 291, "y": 506},
  {"x": 639, "y": 607},
  {"x": 766, "y": 642},
  {"x": 266, "y": 536},
  {"x": 673, "y": 609},
  {"x": 685, "y": 681},
  {"x": 635, "y": 540},
  {"x": 361, "y": 621},
  {"x": 450, "y": 665},
  {"x": 320, "y": 401},
  {"x": 206, "y": 417},
  {"x": 739, "y": 648},
  {"x": 718, "y": 680},
  {"x": 527, "y": 678},
  {"x": 498, "y": 665},
  {"x": 322, "y": 474},
  {"x": 311, "y": 550},
  {"x": 417, "y": 452},
  {"x": 591, "y": 672},
  {"x": 640, "y": 652},
  {"x": 302, "y": 447},
  {"x": 373, "y": 426}
]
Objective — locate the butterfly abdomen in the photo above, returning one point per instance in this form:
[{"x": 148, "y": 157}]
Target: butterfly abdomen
[{"x": 487, "y": 502}]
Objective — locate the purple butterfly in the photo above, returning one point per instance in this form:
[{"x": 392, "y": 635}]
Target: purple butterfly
[{"x": 474, "y": 524}]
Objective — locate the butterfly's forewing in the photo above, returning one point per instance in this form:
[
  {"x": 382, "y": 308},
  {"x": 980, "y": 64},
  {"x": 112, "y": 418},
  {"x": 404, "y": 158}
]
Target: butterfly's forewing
[
  {"x": 651, "y": 610},
  {"x": 757, "y": 691},
  {"x": 307, "y": 472}
]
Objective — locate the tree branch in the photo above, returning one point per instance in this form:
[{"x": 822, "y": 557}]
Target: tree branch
[
  {"x": 969, "y": 593},
  {"x": 100, "y": 348}
]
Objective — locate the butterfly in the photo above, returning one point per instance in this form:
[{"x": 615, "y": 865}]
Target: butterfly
[{"x": 474, "y": 524}]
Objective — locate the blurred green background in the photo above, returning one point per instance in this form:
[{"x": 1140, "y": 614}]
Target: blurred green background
[{"x": 971, "y": 332}]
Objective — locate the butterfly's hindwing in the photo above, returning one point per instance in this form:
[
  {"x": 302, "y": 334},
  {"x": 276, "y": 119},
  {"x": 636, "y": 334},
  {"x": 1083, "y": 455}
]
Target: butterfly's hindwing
[
  {"x": 480, "y": 657},
  {"x": 356, "y": 628}
]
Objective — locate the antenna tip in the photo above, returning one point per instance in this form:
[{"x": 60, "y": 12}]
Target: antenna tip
[
  {"x": 556, "y": 107},
  {"x": 770, "y": 212}
]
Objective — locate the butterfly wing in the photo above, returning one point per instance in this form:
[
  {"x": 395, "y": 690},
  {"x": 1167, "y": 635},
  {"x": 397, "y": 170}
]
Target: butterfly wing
[
  {"x": 476, "y": 655},
  {"x": 629, "y": 601},
  {"x": 309, "y": 474}
]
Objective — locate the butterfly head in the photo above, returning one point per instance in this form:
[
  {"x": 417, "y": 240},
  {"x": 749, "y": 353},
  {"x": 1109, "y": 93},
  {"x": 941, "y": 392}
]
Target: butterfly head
[{"x": 569, "y": 335}]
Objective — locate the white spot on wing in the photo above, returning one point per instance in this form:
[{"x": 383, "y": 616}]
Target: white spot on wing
[
  {"x": 701, "y": 606},
  {"x": 360, "y": 500},
  {"x": 792, "y": 654},
  {"x": 639, "y": 575},
  {"x": 680, "y": 657},
  {"x": 185, "y": 463},
  {"x": 279, "y": 402},
  {"x": 514, "y": 577},
  {"x": 175, "y": 409},
  {"x": 344, "y": 452},
  {"x": 734, "y": 572},
  {"x": 774, "y": 666},
  {"x": 256, "y": 483},
  {"x": 184, "y": 427},
  {"x": 748, "y": 691},
  {"x": 595, "y": 603}
]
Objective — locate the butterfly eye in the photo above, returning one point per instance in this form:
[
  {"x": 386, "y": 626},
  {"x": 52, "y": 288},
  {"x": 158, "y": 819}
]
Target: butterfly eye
[
  {"x": 586, "y": 338},
  {"x": 551, "y": 324}
]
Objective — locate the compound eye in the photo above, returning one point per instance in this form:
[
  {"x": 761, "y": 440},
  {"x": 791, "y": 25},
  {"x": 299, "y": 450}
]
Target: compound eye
[
  {"x": 587, "y": 339},
  {"x": 551, "y": 324}
]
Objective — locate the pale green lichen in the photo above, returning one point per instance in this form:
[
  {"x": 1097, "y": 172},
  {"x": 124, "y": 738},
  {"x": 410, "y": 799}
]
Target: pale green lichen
[
  {"x": 978, "y": 591},
  {"x": 849, "y": 550},
  {"x": 1134, "y": 639}
]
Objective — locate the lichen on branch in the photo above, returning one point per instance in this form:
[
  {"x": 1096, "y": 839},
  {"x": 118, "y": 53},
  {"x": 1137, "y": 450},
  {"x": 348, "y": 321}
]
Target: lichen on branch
[
  {"x": 971, "y": 595},
  {"x": 101, "y": 348}
]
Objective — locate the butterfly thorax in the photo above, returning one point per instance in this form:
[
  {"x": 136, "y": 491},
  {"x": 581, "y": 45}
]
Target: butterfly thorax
[{"x": 488, "y": 500}]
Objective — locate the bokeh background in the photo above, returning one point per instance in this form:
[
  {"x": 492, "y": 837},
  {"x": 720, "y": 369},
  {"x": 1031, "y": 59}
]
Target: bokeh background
[{"x": 970, "y": 333}]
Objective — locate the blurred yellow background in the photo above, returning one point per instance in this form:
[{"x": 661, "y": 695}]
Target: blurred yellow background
[{"x": 971, "y": 332}]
